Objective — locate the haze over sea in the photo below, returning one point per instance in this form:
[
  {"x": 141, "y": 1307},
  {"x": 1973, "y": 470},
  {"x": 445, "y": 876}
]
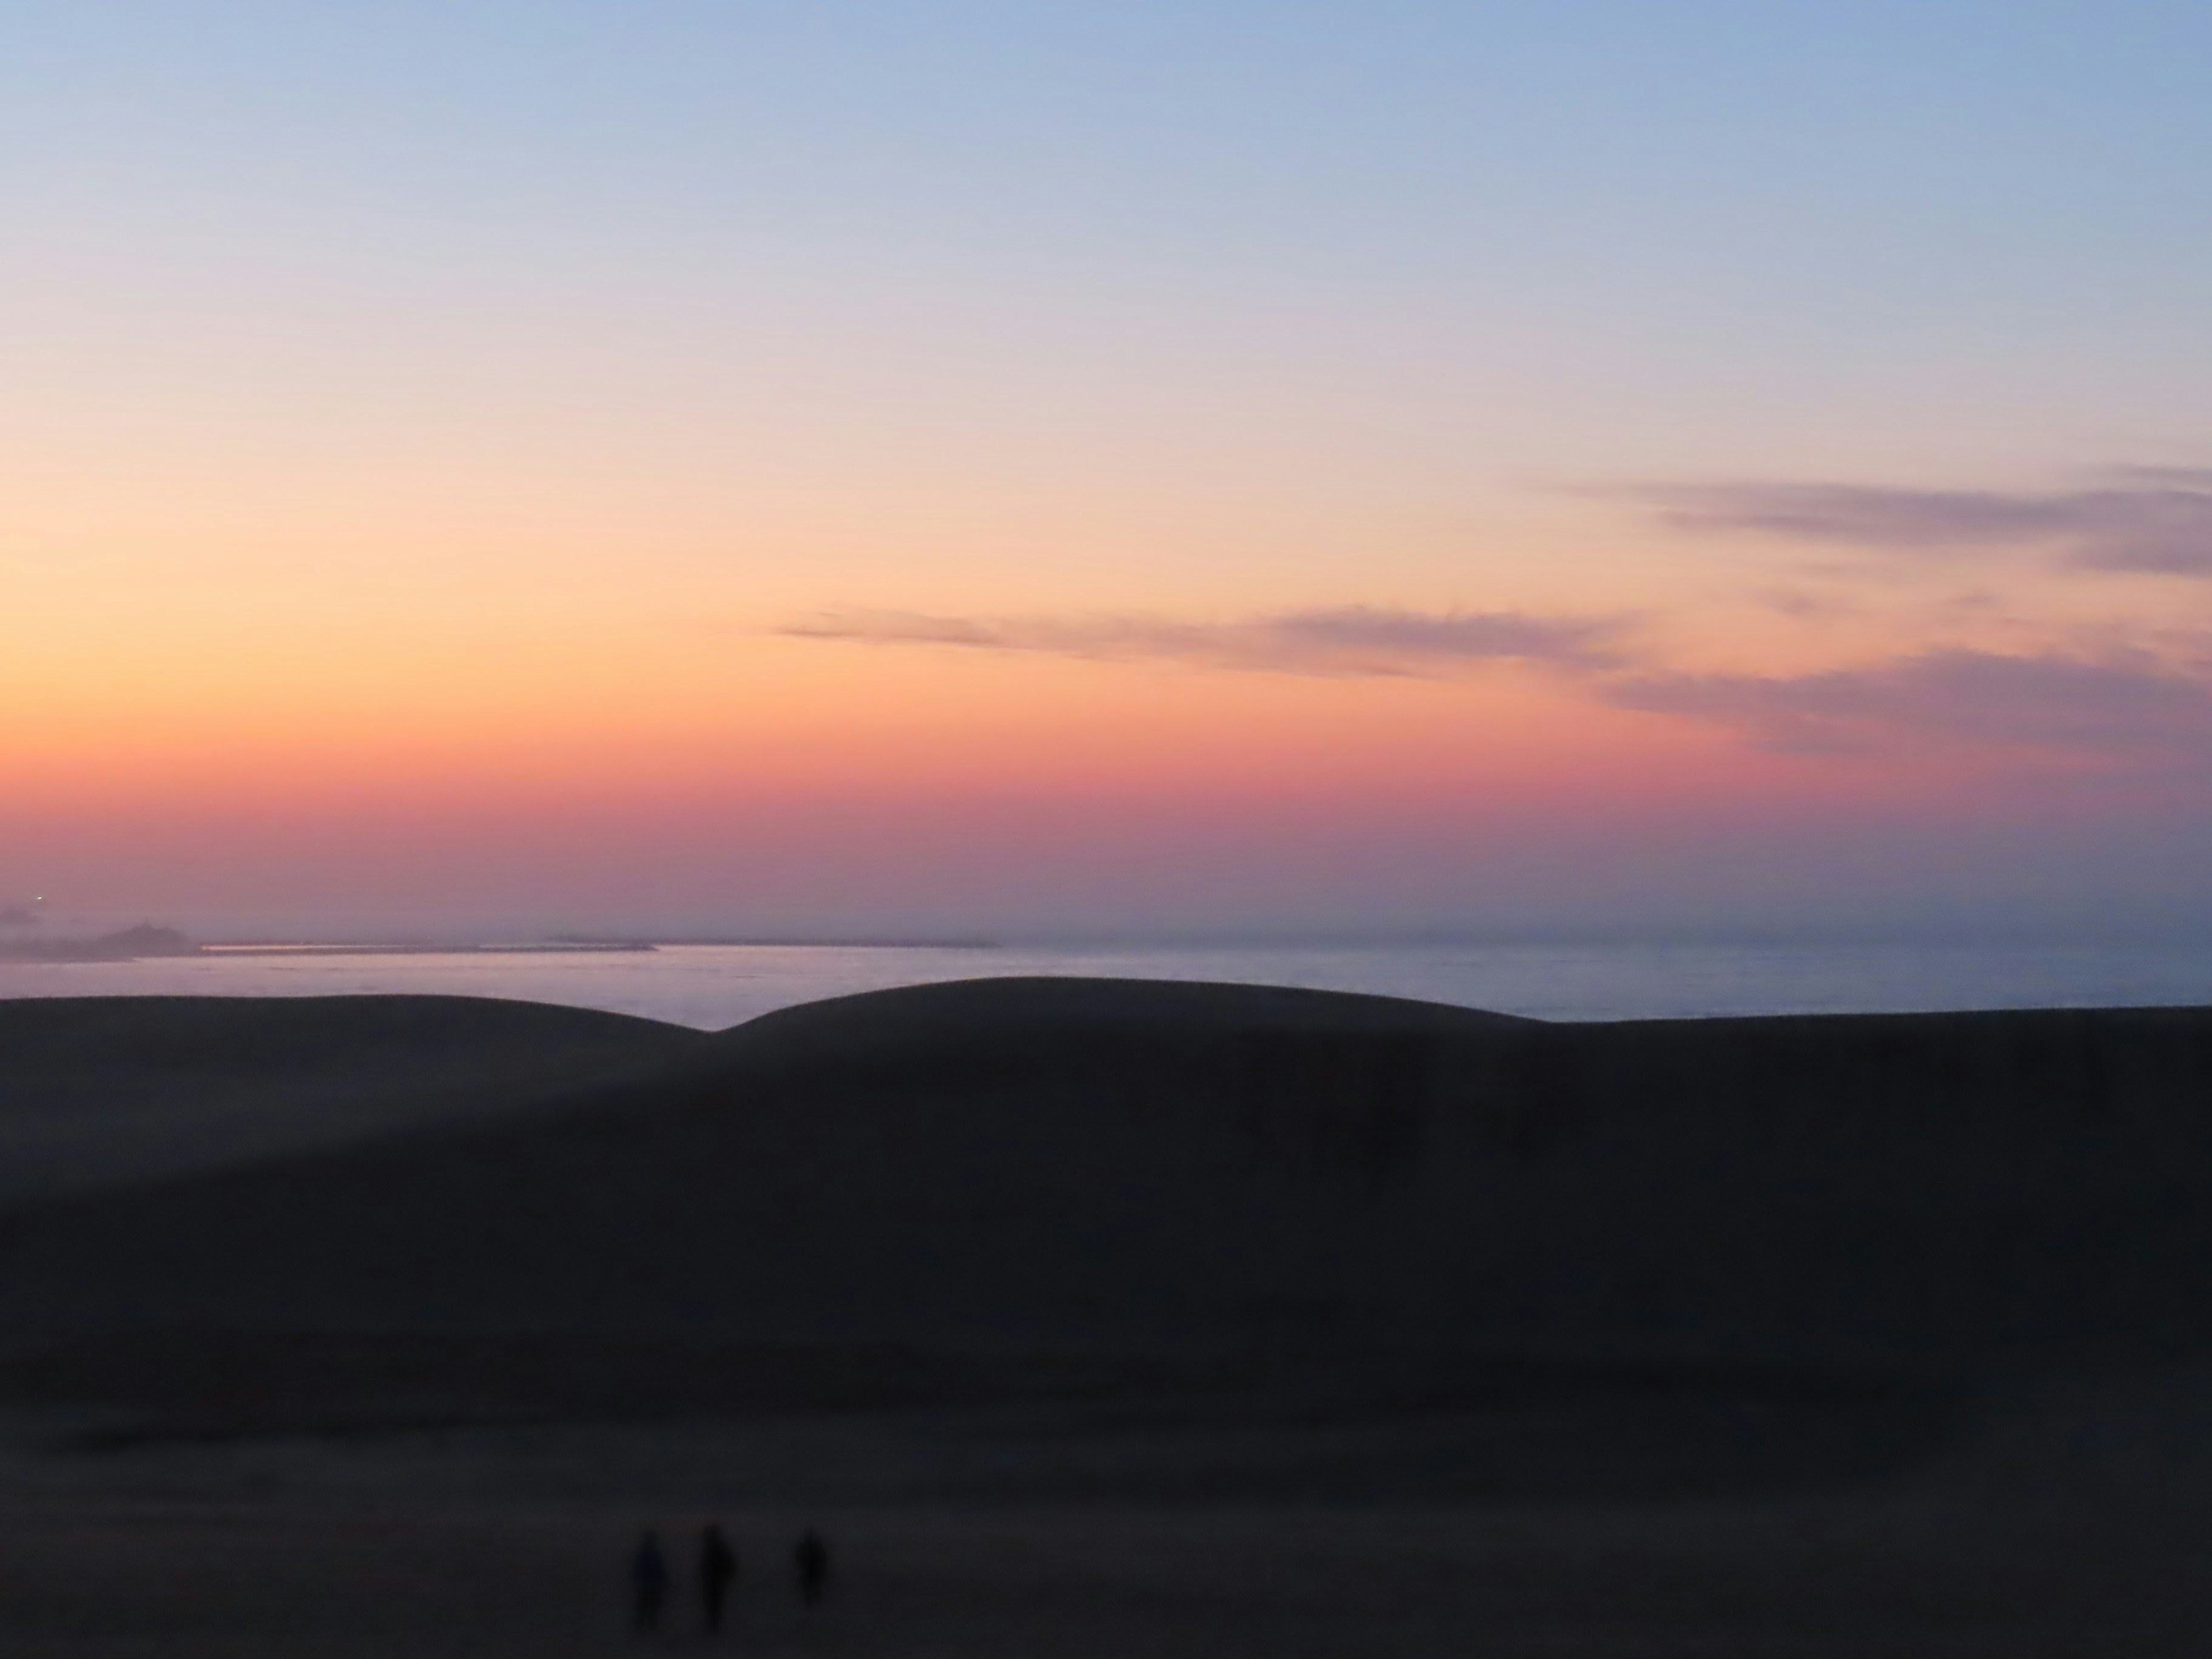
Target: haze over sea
[{"x": 713, "y": 987}]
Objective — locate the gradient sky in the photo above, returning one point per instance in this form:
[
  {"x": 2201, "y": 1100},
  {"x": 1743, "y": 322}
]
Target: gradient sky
[{"x": 1561, "y": 469}]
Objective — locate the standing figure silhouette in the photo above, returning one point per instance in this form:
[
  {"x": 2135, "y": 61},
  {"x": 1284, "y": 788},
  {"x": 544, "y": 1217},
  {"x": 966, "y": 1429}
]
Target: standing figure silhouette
[
  {"x": 809, "y": 1562},
  {"x": 718, "y": 1570},
  {"x": 648, "y": 1583}
]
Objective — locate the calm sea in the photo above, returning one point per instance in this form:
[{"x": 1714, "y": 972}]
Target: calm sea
[{"x": 716, "y": 985}]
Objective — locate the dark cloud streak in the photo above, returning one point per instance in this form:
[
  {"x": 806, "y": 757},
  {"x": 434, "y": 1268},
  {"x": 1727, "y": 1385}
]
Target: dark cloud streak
[
  {"x": 1349, "y": 641},
  {"x": 2156, "y": 520},
  {"x": 2120, "y": 707}
]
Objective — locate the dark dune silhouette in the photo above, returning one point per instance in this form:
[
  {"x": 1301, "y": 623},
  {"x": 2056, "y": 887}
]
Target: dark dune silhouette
[
  {"x": 1000, "y": 1161},
  {"x": 1470, "y": 1334},
  {"x": 1060, "y": 1188},
  {"x": 97, "y": 1090}
]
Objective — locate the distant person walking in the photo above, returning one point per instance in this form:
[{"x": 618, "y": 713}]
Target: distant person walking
[
  {"x": 648, "y": 1584},
  {"x": 810, "y": 1562},
  {"x": 718, "y": 1570}
]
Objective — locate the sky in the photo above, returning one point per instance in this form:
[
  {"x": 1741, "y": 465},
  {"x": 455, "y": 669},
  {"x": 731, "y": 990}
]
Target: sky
[{"x": 1565, "y": 469}]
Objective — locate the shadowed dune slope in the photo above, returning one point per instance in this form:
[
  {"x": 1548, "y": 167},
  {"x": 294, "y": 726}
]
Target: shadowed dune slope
[
  {"x": 99, "y": 1090},
  {"x": 1150, "y": 1168}
]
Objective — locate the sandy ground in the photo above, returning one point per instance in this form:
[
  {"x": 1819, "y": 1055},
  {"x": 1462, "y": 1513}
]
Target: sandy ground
[
  {"x": 96, "y": 1580},
  {"x": 514, "y": 1541}
]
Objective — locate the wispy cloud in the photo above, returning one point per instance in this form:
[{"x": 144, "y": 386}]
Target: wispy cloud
[
  {"x": 1348, "y": 641},
  {"x": 2122, "y": 707},
  {"x": 1803, "y": 606},
  {"x": 2119, "y": 705},
  {"x": 2149, "y": 519}
]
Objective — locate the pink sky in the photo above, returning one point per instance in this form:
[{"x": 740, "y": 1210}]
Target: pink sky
[{"x": 707, "y": 474}]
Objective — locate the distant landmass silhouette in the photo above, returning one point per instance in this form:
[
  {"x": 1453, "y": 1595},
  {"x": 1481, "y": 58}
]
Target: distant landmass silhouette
[{"x": 127, "y": 944}]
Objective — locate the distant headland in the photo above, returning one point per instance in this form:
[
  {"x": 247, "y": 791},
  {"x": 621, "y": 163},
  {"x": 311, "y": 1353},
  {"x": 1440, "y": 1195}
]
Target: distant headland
[
  {"x": 146, "y": 940},
  {"x": 129, "y": 945}
]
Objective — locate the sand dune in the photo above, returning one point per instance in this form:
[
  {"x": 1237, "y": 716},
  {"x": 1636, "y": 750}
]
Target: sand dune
[
  {"x": 1466, "y": 1333},
  {"x": 95, "y": 1090},
  {"x": 1194, "y": 1176}
]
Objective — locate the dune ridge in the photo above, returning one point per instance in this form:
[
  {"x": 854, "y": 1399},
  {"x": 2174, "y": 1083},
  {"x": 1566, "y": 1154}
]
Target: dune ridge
[
  {"x": 1124, "y": 1169},
  {"x": 94, "y": 1091}
]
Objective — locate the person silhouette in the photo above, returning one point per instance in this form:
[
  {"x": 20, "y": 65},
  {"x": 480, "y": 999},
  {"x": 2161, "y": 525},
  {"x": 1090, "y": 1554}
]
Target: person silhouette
[
  {"x": 648, "y": 1583},
  {"x": 809, "y": 1562},
  {"x": 718, "y": 1570}
]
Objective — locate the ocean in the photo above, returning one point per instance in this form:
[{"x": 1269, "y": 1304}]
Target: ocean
[{"x": 712, "y": 987}]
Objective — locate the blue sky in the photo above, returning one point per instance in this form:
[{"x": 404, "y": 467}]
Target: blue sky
[{"x": 354, "y": 349}]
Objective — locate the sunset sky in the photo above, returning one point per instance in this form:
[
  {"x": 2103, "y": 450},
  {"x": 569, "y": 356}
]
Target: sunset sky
[{"x": 1550, "y": 470}]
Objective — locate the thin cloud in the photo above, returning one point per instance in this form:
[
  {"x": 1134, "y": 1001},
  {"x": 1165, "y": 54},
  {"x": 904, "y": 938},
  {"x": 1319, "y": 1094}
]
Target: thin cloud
[
  {"x": 2173, "y": 477},
  {"x": 2155, "y": 520},
  {"x": 1803, "y": 606},
  {"x": 1349, "y": 641},
  {"x": 2123, "y": 707},
  {"x": 2120, "y": 705}
]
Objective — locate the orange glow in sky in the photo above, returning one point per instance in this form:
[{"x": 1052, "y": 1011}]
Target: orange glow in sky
[{"x": 1151, "y": 473}]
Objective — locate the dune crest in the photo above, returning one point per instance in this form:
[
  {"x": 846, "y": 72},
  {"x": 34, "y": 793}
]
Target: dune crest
[
  {"x": 1041, "y": 1189},
  {"x": 94, "y": 1091}
]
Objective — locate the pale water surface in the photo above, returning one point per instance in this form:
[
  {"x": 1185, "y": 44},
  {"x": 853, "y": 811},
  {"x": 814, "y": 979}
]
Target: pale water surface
[{"x": 716, "y": 985}]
